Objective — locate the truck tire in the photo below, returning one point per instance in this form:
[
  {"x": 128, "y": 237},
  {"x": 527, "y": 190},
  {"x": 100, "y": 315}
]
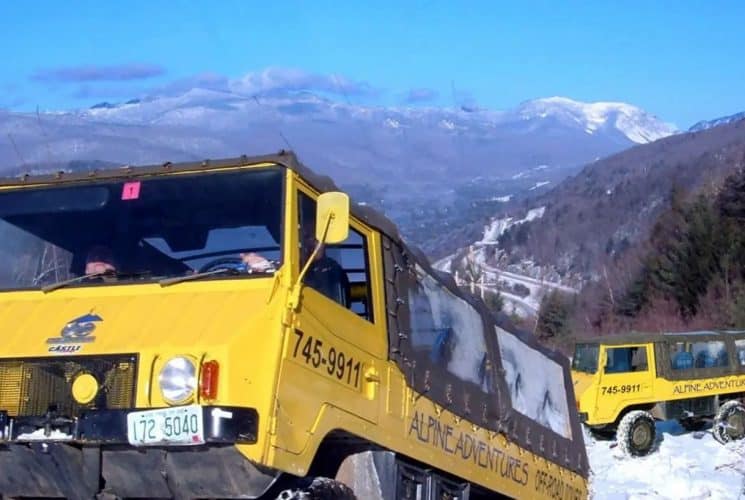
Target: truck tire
[
  {"x": 321, "y": 488},
  {"x": 729, "y": 424},
  {"x": 636, "y": 433}
]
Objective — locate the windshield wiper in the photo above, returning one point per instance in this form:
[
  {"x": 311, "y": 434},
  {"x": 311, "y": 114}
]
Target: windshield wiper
[
  {"x": 103, "y": 274},
  {"x": 196, "y": 276},
  {"x": 76, "y": 279}
]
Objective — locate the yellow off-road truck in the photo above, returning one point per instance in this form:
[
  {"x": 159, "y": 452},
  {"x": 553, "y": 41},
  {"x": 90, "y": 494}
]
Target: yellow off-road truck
[
  {"x": 623, "y": 383},
  {"x": 233, "y": 329}
]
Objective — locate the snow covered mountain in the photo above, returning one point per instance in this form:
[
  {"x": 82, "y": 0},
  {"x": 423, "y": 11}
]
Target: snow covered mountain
[
  {"x": 705, "y": 124},
  {"x": 197, "y": 104},
  {"x": 419, "y": 164},
  {"x": 201, "y": 122},
  {"x": 599, "y": 117}
]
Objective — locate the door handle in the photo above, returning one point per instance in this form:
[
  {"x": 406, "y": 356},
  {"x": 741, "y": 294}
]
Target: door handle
[
  {"x": 372, "y": 376},
  {"x": 372, "y": 379}
]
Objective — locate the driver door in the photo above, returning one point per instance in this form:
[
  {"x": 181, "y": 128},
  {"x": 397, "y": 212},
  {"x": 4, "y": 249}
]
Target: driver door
[
  {"x": 626, "y": 378},
  {"x": 336, "y": 353}
]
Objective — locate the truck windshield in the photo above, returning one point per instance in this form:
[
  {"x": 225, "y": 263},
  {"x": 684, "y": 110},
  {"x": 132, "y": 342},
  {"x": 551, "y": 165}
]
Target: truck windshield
[
  {"x": 139, "y": 230},
  {"x": 585, "y": 358}
]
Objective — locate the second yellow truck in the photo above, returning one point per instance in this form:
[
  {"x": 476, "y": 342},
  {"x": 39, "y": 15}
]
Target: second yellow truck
[{"x": 624, "y": 383}]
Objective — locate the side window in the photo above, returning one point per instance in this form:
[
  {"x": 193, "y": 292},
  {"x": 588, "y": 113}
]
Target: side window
[
  {"x": 585, "y": 358},
  {"x": 680, "y": 356},
  {"x": 30, "y": 260},
  {"x": 705, "y": 354},
  {"x": 340, "y": 271},
  {"x": 448, "y": 331},
  {"x": 626, "y": 359},
  {"x": 535, "y": 383},
  {"x": 712, "y": 354},
  {"x": 740, "y": 352}
]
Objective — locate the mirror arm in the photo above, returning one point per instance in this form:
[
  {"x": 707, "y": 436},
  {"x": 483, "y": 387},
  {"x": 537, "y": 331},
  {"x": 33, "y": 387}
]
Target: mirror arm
[{"x": 294, "y": 301}]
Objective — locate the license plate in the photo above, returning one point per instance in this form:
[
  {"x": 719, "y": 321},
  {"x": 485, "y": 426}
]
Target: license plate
[{"x": 173, "y": 426}]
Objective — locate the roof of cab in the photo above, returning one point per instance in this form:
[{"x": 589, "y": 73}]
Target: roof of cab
[{"x": 646, "y": 337}]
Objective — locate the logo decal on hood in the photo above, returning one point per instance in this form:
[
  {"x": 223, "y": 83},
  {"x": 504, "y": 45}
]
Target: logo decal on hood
[{"x": 78, "y": 331}]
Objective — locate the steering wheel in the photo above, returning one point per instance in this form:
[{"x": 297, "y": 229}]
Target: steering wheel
[{"x": 233, "y": 263}]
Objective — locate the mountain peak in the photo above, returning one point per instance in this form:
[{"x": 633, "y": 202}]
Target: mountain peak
[
  {"x": 631, "y": 121},
  {"x": 566, "y": 102}
]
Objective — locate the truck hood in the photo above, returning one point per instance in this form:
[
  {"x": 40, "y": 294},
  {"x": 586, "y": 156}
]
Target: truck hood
[{"x": 127, "y": 318}]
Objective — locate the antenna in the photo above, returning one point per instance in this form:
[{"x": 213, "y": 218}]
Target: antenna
[
  {"x": 18, "y": 151},
  {"x": 279, "y": 131},
  {"x": 286, "y": 141}
]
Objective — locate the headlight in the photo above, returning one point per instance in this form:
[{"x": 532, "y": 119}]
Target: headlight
[{"x": 178, "y": 380}]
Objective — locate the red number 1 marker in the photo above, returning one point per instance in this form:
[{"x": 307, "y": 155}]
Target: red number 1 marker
[{"x": 131, "y": 190}]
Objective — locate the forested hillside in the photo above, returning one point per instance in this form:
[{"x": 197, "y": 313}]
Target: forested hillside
[{"x": 689, "y": 275}]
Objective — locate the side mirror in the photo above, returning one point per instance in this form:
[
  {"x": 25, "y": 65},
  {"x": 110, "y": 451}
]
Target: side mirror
[
  {"x": 332, "y": 217},
  {"x": 332, "y": 226},
  {"x": 604, "y": 360}
]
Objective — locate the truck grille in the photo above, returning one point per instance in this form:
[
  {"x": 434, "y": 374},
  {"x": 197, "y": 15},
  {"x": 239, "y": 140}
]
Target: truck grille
[{"x": 32, "y": 387}]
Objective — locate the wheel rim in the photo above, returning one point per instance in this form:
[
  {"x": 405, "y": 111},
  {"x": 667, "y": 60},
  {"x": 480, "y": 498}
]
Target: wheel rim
[
  {"x": 641, "y": 436},
  {"x": 736, "y": 425}
]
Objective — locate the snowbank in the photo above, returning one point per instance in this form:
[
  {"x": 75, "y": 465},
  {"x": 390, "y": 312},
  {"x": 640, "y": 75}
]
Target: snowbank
[{"x": 686, "y": 466}]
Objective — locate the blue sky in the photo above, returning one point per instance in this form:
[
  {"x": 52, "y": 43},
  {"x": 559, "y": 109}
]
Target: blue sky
[{"x": 680, "y": 60}]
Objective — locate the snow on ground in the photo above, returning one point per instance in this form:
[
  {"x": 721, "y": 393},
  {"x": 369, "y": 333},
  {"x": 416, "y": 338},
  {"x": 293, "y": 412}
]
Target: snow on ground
[
  {"x": 686, "y": 466},
  {"x": 535, "y": 213},
  {"x": 502, "y": 199},
  {"x": 40, "y": 435},
  {"x": 539, "y": 184},
  {"x": 497, "y": 227}
]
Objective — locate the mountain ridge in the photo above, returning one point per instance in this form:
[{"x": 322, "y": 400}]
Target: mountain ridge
[
  {"x": 707, "y": 124},
  {"x": 591, "y": 115},
  {"x": 428, "y": 168}
]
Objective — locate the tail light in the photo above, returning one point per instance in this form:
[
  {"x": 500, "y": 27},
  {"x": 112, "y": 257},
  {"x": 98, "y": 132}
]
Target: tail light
[{"x": 208, "y": 379}]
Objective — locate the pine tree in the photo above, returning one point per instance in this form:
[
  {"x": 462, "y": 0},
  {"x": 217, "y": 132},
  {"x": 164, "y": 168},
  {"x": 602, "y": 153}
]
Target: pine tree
[
  {"x": 637, "y": 294},
  {"x": 686, "y": 254},
  {"x": 553, "y": 316}
]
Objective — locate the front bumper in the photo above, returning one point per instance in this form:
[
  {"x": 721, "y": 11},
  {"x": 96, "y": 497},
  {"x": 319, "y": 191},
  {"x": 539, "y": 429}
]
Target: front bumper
[
  {"x": 91, "y": 454},
  {"x": 223, "y": 424}
]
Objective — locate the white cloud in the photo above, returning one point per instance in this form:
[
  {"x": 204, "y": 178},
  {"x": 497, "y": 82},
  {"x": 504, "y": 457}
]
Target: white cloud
[{"x": 275, "y": 79}]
